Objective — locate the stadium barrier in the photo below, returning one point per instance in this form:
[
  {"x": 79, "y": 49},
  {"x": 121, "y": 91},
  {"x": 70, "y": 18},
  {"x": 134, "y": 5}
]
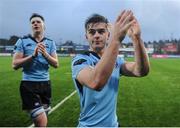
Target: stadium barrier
[{"x": 165, "y": 56}]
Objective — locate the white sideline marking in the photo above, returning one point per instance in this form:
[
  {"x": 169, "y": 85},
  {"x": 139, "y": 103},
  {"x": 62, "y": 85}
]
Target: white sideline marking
[{"x": 58, "y": 105}]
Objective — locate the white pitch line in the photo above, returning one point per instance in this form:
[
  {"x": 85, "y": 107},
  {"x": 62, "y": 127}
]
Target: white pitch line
[{"x": 58, "y": 105}]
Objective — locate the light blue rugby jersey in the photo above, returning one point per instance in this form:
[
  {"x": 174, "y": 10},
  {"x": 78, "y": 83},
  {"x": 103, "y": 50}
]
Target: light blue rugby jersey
[
  {"x": 98, "y": 108},
  {"x": 37, "y": 70}
]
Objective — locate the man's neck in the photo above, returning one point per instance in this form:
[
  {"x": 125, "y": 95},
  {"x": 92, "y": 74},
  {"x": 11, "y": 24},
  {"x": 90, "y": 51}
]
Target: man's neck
[
  {"x": 98, "y": 51},
  {"x": 38, "y": 37}
]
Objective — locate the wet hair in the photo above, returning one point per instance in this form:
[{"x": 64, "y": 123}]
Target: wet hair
[
  {"x": 36, "y": 15},
  {"x": 95, "y": 18}
]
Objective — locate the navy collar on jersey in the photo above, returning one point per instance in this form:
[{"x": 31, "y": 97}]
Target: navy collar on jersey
[
  {"x": 94, "y": 53},
  {"x": 32, "y": 38}
]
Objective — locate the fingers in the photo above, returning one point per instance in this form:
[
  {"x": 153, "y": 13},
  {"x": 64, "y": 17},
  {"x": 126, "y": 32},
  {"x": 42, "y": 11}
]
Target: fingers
[
  {"x": 128, "y": 25},
  {"x": 41, "y": 48},
  {"x": 122, "y": 24},
  {"x": 134, "y": 29},
  {"x": 127, "y": 18},
  {"x": 35, "y": 51},
  {"x": 119, "y": 17},
  {"x": 135, "y": 23}
]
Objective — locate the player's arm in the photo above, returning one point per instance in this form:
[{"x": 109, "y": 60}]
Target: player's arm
[
  {"x": 51, "y": 58},
  {"x": 140, "y": 67},
  {"x": 96, "y": 77},
  {"x": 19, "y": 60}
]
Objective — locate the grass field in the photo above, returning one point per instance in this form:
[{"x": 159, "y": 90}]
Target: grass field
[{"x": 150, "y": 101}]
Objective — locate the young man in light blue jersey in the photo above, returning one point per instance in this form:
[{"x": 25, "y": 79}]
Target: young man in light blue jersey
[
  {"x": 34, "y": 54},
  {"x": 96, "y": 73}
]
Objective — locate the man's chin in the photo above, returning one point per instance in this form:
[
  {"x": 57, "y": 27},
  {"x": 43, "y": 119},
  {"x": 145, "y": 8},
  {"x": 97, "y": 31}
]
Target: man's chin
[
  {"x": 37, "y": 32},
  {"x": 98, "y": 49}
]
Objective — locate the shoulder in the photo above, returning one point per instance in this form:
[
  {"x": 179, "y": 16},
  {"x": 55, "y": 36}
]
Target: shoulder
[
  {"x": 48, "y": 39},
  {"x": 27, "y": 40},
  {"x": 80, "y": 58},
  {"x": 85, "y": 55},
  {"x": 25, "y": 37},
  {"x": 49, "y": 42},
  {"x": 21, "y": 43}
]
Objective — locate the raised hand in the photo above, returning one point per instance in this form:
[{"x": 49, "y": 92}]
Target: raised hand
[
  {"x": 42, "y": 50},
  {"x": 134, "y": 30},
  {"x": 35, "y": 52},
  {"x": 122, "y": 24}
]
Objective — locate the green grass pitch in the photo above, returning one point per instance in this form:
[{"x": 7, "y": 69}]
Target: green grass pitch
[{"x": 150, "y": 101}]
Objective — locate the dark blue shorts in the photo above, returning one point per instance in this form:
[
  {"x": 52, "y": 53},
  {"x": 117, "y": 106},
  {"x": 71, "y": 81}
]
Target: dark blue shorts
[{"x": 35, "y": 94}]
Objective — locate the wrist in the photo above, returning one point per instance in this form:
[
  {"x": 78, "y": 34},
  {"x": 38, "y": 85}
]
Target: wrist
[
  {"x": 117, "y": 42},
  {"x": 137, "y": 37},
  {"x": 47, "y": 56},
  {"x": 117, "y": 39},
  {"x": 33, "y": 56}
]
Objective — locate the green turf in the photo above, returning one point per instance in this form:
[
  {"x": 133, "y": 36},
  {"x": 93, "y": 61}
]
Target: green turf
[{"x": 150, "y": 101}]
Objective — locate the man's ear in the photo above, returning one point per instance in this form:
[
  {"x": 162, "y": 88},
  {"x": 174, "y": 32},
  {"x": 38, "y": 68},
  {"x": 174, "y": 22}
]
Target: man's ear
[
  {"x": 86, "y": 36},
  {"x": 108, "y": 35},
  {"x": 44, "y": 27}
]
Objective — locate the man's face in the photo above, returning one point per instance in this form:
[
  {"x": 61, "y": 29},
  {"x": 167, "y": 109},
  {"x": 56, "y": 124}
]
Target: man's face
[
  {"x": 97, "y": 35},
  {"x": 37, "y": 25}
]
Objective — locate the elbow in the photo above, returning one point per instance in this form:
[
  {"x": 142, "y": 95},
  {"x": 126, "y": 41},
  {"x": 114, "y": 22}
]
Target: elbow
[
  {"x": 98, "y": 84},
  {"x": 55, "y": 65},
  {"x": 147, "y": 72},
  {"x": 14, "y": 67},
  {"x": 144, "y": 73}
]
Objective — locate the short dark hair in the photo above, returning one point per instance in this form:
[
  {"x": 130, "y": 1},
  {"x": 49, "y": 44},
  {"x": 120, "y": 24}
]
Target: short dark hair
[
  {"x": 36, "y": 15},
  {"x": 95, "y": 18}
]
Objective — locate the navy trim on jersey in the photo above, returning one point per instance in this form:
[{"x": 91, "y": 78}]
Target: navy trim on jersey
[
  {"x": 29, "y": 36},
  {"x": 95, "y": 54}
]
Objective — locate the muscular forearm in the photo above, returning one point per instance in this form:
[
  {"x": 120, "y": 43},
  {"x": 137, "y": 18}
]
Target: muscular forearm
[
  {"x": 104, "y": 68},
  {"x": 141, "y": 58},
  {"x": 53, "y": 61},
  {"x": 20, "y": 62}
]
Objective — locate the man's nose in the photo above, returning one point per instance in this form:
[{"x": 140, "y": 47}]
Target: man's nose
[{"x": 96, "y": 34}]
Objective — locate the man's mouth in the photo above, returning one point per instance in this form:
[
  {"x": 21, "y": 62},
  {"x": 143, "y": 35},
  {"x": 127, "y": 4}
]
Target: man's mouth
[
  {"x": 36, "y": 28},
  {"x": 97, "y": 42}
]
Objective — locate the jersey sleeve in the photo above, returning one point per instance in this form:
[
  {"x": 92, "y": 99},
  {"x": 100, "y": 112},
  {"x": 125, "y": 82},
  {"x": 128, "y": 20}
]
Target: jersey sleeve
[
  {"x": 53, "y": 48},
  {"x": 18, "y": 47},
  {"x": 78, "y": 63}
]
